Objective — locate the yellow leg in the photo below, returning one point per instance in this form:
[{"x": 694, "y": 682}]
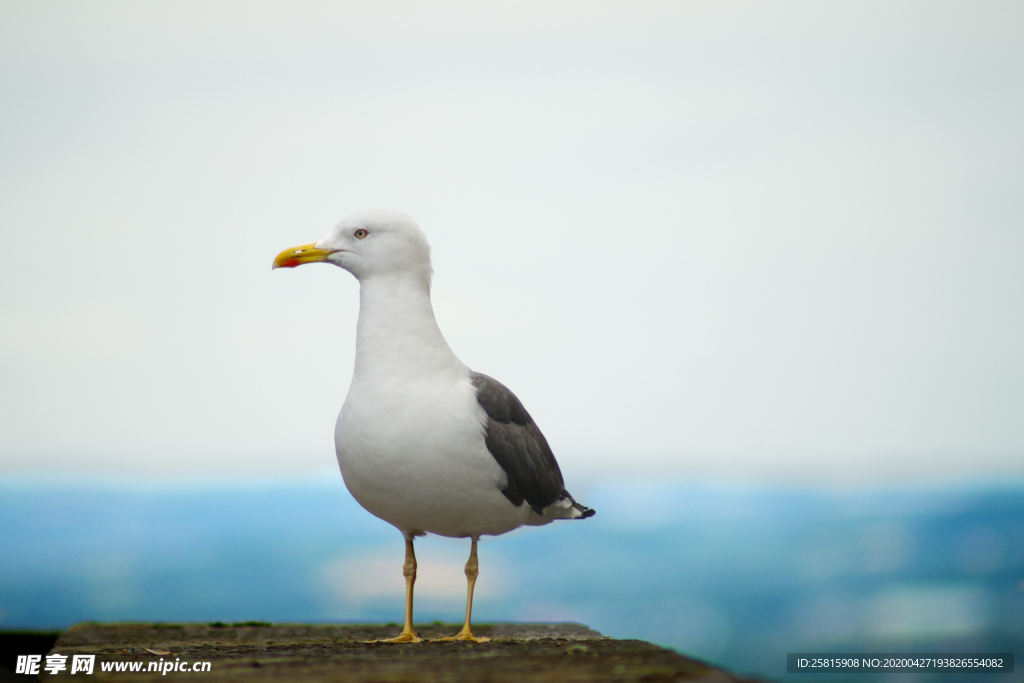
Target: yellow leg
[
  {"x": 472, "y": 571},
  {"x": 408, "y": 634}
]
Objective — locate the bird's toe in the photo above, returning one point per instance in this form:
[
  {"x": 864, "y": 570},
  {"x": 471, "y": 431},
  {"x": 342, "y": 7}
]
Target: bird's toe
[
  {"x": 401, "y": 638},
  {"x": 467, "y": 637}
]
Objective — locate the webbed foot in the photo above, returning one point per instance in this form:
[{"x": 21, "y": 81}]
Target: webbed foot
[
  {"x": 465, "y": 636},
  {"x": 402, "y": 637}
]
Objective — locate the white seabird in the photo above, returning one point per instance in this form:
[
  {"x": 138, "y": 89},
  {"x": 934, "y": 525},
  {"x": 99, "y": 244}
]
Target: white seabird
[{"x": 424, "y": 442}]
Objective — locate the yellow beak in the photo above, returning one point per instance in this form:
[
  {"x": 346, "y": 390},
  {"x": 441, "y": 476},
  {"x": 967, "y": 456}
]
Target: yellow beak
[{"x": 296, "y": 256}]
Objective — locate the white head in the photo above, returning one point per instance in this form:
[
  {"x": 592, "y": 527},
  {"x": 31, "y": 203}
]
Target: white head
[{"x": 368, "y": 244}]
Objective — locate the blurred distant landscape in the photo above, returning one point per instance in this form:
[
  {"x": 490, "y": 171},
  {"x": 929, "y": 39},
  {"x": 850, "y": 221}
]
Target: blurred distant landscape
[
  {"x": 705, "y": 243},
  {"x": 738, "y": 575}
]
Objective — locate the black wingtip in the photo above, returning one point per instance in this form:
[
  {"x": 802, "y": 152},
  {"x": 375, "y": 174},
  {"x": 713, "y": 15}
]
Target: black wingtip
[{"x": 584, "y": 511}]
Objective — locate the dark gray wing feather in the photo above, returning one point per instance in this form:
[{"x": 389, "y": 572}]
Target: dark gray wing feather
[{"x": 516, "y": 443}]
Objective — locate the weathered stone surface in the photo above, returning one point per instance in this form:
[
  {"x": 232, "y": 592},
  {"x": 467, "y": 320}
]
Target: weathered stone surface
[{"x": 519, "y": 653}]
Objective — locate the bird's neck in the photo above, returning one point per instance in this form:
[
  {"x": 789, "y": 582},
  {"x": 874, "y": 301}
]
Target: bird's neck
[{"x": 397, "y": 336}]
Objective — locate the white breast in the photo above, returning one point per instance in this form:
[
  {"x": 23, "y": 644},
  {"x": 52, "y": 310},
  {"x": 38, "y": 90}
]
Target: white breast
[{"x": 413, "y": 454}]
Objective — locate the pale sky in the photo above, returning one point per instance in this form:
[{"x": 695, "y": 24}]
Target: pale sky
[{"x": 767, "y": 241}]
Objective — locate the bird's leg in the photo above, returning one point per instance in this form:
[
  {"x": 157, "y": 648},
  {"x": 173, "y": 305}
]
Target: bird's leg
[
  {"x": 408, "y": 634},
  {"x": 472, "y": 571}
]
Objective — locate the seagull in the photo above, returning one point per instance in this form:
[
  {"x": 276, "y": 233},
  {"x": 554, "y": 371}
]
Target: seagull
[{"x": 423, "y": 442}]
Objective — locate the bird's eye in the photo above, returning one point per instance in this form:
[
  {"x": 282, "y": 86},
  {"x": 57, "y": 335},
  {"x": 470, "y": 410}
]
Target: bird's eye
[{"x": 360, "y": 233}]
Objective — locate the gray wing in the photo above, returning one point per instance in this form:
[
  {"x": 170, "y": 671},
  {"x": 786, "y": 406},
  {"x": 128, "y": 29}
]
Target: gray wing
[{"x": 516, "y": 443}]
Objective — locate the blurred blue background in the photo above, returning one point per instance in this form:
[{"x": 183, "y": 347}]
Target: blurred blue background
[
  {"x": 738, "y": 575},
  {"x": 754, "y": 268}
]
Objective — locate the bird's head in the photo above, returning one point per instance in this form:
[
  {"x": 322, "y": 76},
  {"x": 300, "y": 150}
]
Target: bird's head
[{"x": 378, "y": 242}]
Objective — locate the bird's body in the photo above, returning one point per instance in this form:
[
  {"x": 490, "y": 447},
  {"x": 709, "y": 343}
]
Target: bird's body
[
  {"x": 423, "y": 442},
  {"x": 410, "y": 437}
]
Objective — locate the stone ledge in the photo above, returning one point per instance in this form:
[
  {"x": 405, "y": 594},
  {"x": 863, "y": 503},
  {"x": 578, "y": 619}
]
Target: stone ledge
[{"x": 518, "y": 653}]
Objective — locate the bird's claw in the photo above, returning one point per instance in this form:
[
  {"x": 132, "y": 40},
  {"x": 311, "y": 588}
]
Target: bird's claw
[
  {"x": 401, "y": 638},
  {"x": 468, "y": 637}
]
